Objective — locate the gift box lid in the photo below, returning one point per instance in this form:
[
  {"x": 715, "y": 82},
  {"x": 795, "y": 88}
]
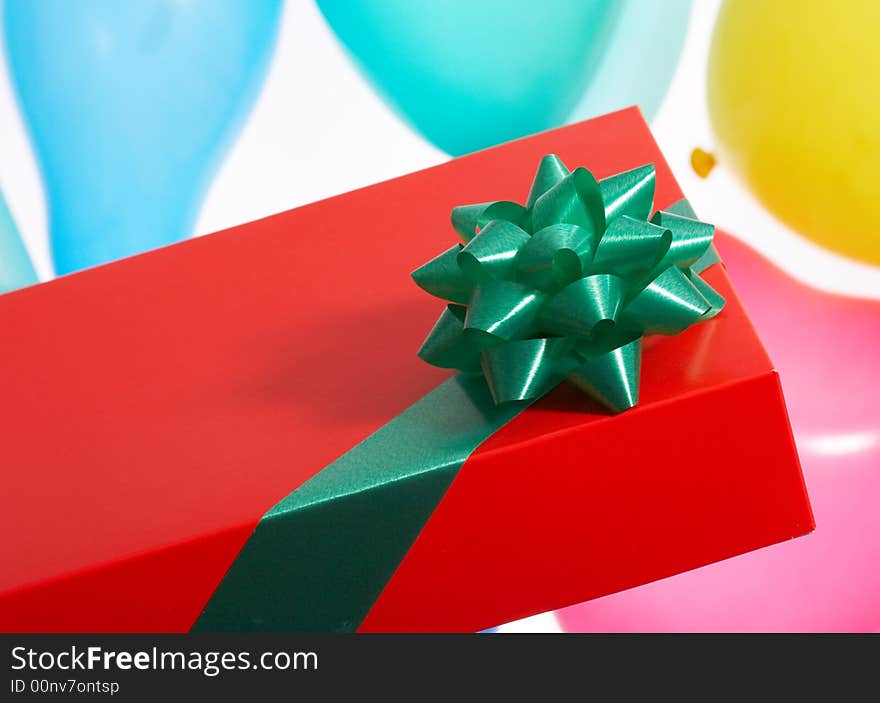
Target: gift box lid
[{"x": 155, "y": 408}]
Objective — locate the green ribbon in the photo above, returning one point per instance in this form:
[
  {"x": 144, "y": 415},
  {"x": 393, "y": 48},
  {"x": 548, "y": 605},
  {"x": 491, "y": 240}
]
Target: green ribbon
[
  {"x": 566, "y": 286},
  {"x": 319, "y": 559}
]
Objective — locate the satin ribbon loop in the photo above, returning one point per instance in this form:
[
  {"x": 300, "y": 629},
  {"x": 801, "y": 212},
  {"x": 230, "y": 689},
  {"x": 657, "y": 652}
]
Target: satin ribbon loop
[{"x": 566, "y": 286}]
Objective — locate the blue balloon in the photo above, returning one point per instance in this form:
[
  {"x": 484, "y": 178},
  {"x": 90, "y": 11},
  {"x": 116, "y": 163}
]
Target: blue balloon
[
  {"x": 16, "y": 269},
  {"x": 131, "y": 107},
  {"x": 471, "y": 73},
  {"x": 468, "y": 74}
]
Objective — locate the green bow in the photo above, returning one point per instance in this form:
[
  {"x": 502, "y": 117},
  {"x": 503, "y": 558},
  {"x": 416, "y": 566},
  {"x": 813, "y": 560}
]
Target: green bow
[{"x": 567, "y": 286}]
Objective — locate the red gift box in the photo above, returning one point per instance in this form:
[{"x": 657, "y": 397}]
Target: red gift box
[{"x": 156, "y": 408}]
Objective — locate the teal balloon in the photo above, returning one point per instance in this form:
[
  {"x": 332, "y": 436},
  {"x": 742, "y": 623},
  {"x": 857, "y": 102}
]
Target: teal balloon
[
  {"x": 640, "y": 62},
  {"x": 467, "y": 74},
  {"x": 16, "y": 269},
  {"x": 131, "y": 107}
]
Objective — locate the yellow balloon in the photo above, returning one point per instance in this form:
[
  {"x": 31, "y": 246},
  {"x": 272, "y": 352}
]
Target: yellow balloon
[{"x": 794, "y": 99}]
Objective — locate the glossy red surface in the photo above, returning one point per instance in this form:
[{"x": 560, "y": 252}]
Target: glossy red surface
[
  {"x": 566, "y": 503},
  {"x": 154, "y": 408}
]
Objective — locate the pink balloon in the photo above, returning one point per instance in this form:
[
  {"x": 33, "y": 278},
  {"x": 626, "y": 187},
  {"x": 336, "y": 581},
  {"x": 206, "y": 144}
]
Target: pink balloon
[{"x": 826, "y": 349}]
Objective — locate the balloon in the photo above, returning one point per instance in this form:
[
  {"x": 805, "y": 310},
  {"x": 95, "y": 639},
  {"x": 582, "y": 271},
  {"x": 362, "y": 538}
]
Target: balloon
[
  {"x": 16, "y": 269},
  {"x": 824, "y": 346},
  {"x": 131, "y": 106},
  {"x": 471, "y": 73},
  {"x": 468, "y": 74},
  {"x": 640, "y": 61},
  {"x": 794, "y": 103}
]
